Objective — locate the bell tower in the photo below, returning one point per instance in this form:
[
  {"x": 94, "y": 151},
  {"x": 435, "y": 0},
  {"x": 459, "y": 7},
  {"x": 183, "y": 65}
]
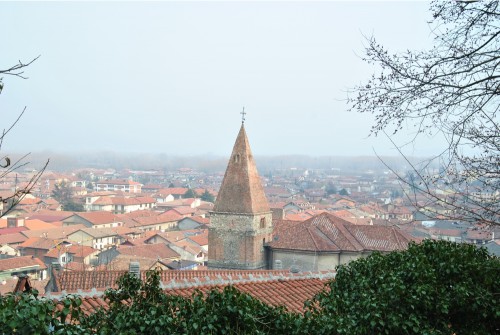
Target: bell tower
[{"x": 241, "y": 221}]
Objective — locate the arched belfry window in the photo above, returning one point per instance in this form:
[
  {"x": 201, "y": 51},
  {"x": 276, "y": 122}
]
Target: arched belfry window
[{"x": 237, "y": 158}]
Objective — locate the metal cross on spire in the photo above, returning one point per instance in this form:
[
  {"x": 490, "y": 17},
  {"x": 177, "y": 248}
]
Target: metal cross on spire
[{"x": 243, "y": 116}]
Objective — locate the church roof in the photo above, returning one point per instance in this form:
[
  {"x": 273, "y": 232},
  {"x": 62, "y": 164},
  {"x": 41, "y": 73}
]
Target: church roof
[
  {"x": 328, "y": 233},
  {"x": 241, "y": 190}
]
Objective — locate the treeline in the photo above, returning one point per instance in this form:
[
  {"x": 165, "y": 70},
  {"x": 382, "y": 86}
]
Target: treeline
[{"x": 209, "y": 163}]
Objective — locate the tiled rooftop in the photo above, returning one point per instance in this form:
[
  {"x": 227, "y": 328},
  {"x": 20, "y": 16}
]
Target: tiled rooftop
[
  {"x": 328, "y": 233},
  {"x": 98, "y": 218},
  {"x": 277, "y": 288},
  {"x": 21, "y": 262}
]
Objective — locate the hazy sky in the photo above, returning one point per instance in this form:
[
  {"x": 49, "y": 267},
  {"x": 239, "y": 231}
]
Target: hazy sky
[{"x": 172, "y": 77}]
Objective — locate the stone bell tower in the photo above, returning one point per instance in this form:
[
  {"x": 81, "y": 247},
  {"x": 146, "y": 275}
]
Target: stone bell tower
[{"x": 241, "y": 221}]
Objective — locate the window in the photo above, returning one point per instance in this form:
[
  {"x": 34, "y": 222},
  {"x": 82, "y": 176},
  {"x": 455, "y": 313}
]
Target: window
[
  {"x": 262, "y": 222},
  {"x": 237, "y": 158}
]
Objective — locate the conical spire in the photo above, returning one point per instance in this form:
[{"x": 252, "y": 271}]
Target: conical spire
[{"x": 241, "y": 190}]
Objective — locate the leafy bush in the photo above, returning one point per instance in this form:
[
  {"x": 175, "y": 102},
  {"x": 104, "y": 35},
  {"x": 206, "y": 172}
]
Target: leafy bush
[
  {"x": 149, "y": 310},
  {"x": 436, "y": 287},
  {"x": 26, "y": 313}
]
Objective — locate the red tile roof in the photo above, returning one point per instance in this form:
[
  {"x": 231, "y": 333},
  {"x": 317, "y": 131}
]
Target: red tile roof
[
  {"x": 12, "y": 230},
  {"x": 55, "y": 233},
  {"x": 117, "y": 182},
  {"x": 12, "y": 238},
  {"x": 21, "y": 262},
  {"x": 274, "y": 287},
  {"x": 174, "y": 190},
  {"x": 153, "y": 251},
  {"x": 201, "y": 239},
  {"x": 39, "y": 243},
  {"x": 151, "y": 220},
  {"x": 328, "y": 233},
  {"x": 98, "y": 218}
]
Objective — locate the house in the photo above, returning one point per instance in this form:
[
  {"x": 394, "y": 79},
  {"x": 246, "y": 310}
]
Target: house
[
  {"x": 192, "y": 222},
  {"x": 27, "y": 265},
  {"x": 161, "y": 222},
  {"x": 93, "y": 220},
  {"x": 100, "y": 239},
  {"x": 399, "y": 212},
  {"x": 200, "y": 239},
  {"x": 12, "y": 240},
  {"x": 50, "y": 216},
  {"x": 189, "y": 251},
  {"x": 152, "y": 252},
  {"x": 7, "y": 251},
  {"x": 55, "y": 233},
  {"x": 183, "y": 211},
  {"x": 38, "y": 246},
  {"x": 182, "y": 265},
  {"x": 72, "y": 253},
  {"x": 176, "y": 192},
  {"x": 126, "y": 185},
  {"x": 162, "y": 197},
  {"x": 479, "y": 235},
  {"x": 151, "y": 188},
  {"x": 30, "y": 203},
  {"x": 119, "y": 204},
  {"x": 342, "y": 202}
]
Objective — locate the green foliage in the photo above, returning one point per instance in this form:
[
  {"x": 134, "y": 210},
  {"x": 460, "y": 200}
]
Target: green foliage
[
  {"x": 72, "y": 206},
  {"x": 436, "y": 287},
  {"x": 151, "y": 311},
  {"x": 343, "y": 192},
  {"x": 28, "y": 314},
  {"x": 64, "y": 194},
  {"x": 330, "y": 188},
  {"x": 189, "y": 194},
  {"x": 207, "y": 196}
]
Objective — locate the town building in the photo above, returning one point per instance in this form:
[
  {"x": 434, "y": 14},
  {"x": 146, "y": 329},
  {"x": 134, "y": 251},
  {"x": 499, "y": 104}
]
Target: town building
[
  {"x": 242, "y": 233},
  {"x": 241, "y": 220}
]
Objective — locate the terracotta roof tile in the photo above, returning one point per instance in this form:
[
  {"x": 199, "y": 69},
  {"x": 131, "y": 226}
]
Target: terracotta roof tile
[
  {"x": 14, "y": 238},
  {"x": 117, "y": 182},
  {"x": 98, "y": 218},
  {"x": 39, "y": 243},
  {"x": 153, "y": 251},
  {"x": 55, "y": 232},
  {"x": 20, "y": 262},
  {"x": 271, "y": 287},
  {"x": 328, "y": 233},
  {"x": 12, "y": 230}
]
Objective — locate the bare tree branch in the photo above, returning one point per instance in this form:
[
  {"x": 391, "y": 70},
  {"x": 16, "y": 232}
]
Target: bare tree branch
[
  {"x": 7, "y": 165},
  {"x": 452, "y": 89}
]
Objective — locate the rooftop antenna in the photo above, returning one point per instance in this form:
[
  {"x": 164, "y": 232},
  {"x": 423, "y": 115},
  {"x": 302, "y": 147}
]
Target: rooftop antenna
[{"x": 243, "y": 115}]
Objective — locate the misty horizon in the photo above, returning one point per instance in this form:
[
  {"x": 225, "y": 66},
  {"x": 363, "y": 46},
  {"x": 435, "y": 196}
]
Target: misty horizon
[{"x": 174, "y": 76}]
